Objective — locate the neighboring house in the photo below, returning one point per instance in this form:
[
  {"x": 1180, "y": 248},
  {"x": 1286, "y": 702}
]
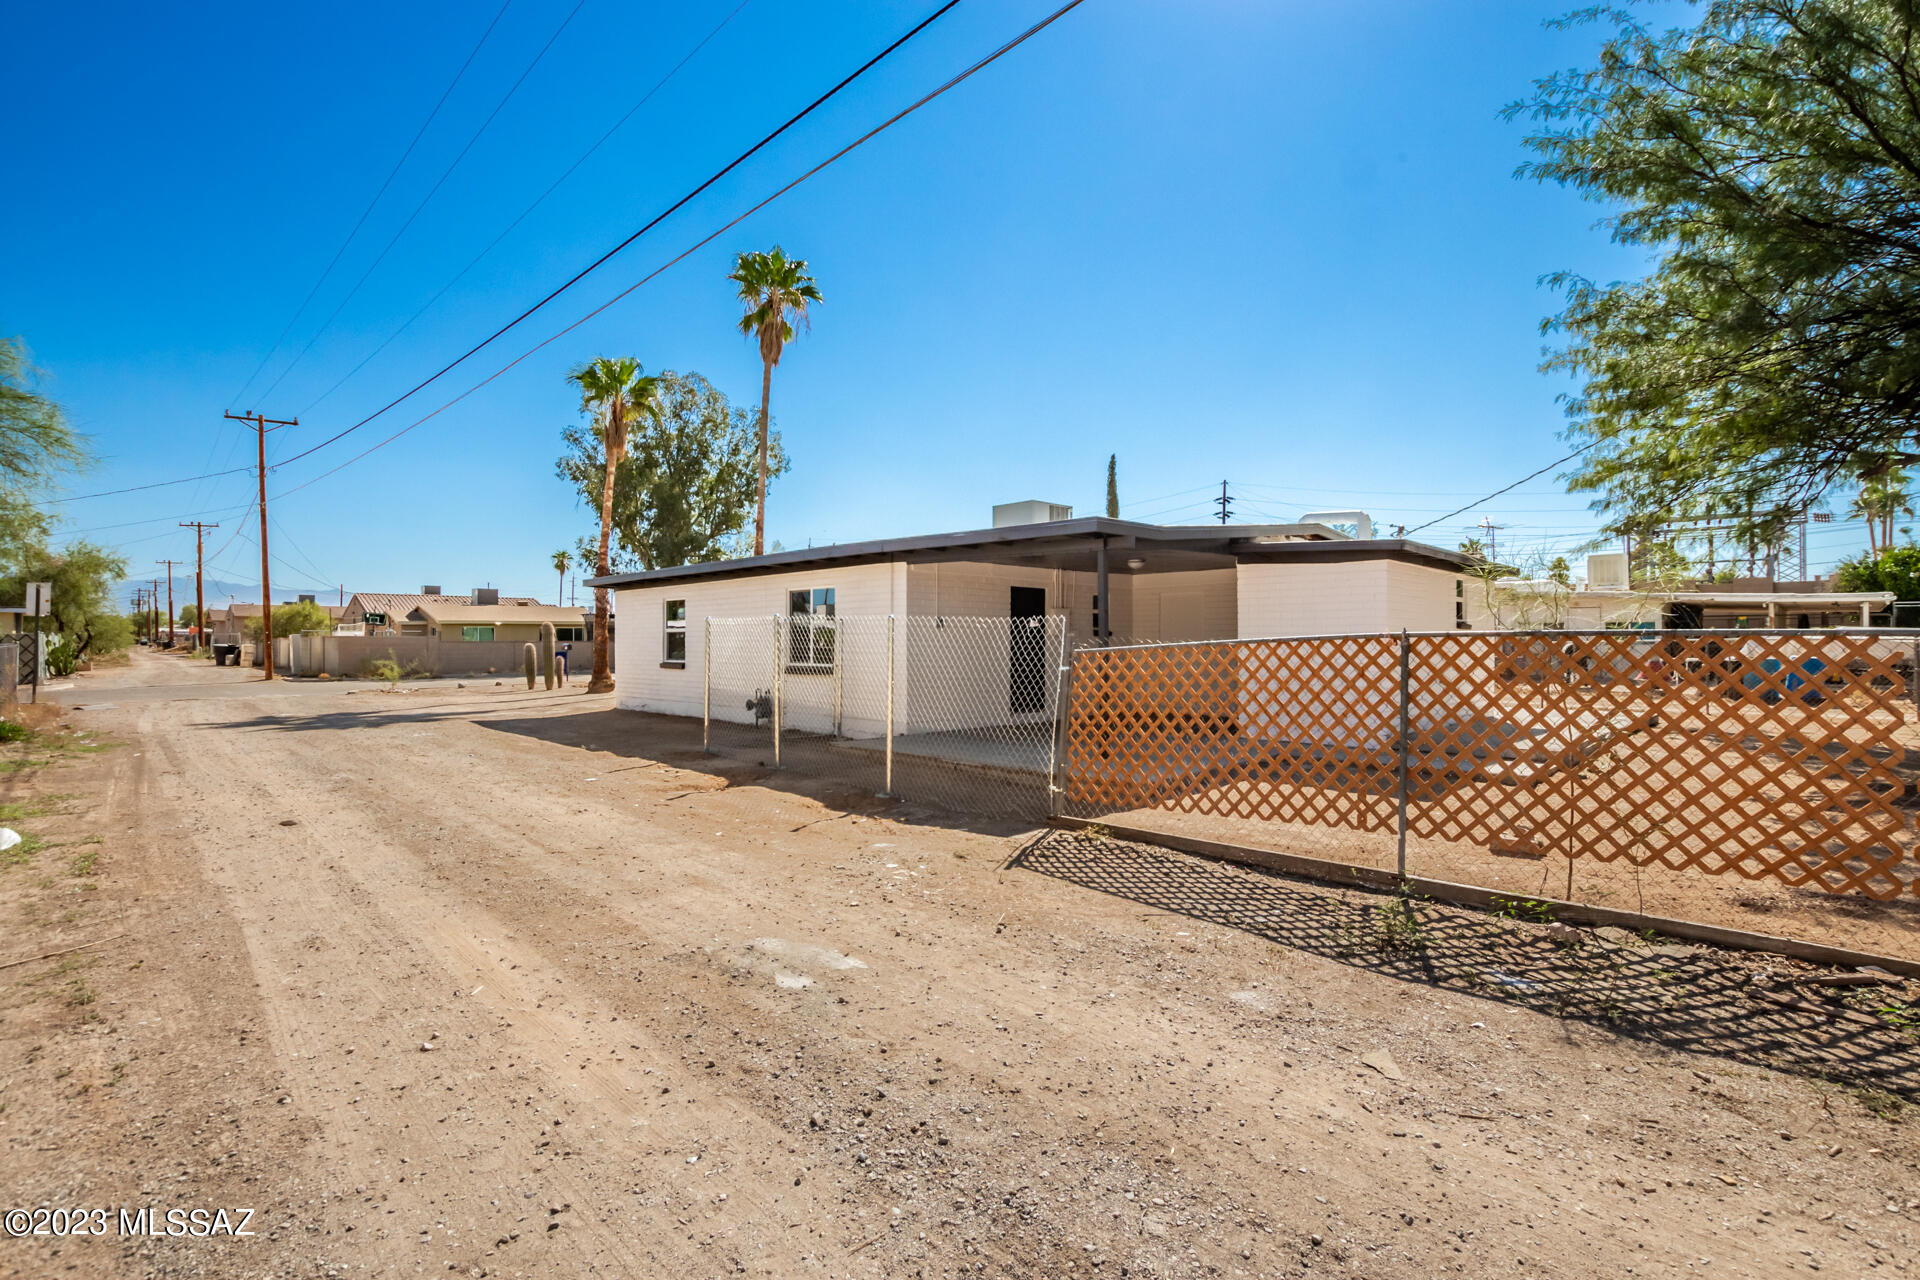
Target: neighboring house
[
  {"x": 1115, "y": 579},
  {"x": 229, "y": 625},
  {"x": 397, "y": 613},
  {"x": 514, "y": 622},
  {"x": 1606, "y": 602}
]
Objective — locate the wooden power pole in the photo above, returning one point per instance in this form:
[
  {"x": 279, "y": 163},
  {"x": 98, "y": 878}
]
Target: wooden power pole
[
  {"x": 262, "y": 424},
  {"x": 170, "y": 635},
  {"x": 153, "y": 606},
  {"x": 199, "y": 579}
]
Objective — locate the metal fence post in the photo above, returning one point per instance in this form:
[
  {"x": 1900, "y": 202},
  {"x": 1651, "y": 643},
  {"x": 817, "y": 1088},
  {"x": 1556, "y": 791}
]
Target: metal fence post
[
  {"x": 778, "y": 666},
  {"x": 1406, "y": 730},
  {"x": 706, "y": 686},
  {"x": 1062, "y": 688},
  {"x": 839, "y": 664},
  {"x": 888, "y": 785}
]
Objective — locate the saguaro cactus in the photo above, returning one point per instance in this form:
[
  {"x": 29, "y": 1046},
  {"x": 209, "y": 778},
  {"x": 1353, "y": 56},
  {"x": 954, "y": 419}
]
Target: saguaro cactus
[
  {"x": 546, "y": 652},
  {"x": 528, "y": 661}
]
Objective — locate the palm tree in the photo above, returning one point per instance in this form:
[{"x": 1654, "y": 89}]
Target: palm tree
[
  {"x": 561, "y": 562},
  {"x": 617, "y": 394},
  {"x": 775, "y": 290},
  {"x": 1883, "y": 498}
]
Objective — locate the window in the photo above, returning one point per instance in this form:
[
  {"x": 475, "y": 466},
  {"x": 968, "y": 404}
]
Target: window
[
  {"x": 1459, "y": 603},
  {"x": 674, "y": 652},
  {"x": 476, "y": 633},
  {"x": 569, "y": 633},
  {"x": 810, "y": 630}
]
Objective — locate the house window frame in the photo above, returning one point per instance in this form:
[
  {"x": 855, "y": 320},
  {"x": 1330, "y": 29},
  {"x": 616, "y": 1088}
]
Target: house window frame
[
  {"x": 812, "y": 631},
  {"x": 673, "y": 627},
  {"x": 467, "y": 636}
]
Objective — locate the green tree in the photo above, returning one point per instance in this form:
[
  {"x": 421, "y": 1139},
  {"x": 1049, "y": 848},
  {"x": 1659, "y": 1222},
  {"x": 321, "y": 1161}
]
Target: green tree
[
  {"x": 1897, "y": 569},
  {"x": 686, "y": 487},
  {"x": 288, "y": 619},
  {"x": 1770, "y": 154},
  {"x": 1113, "y": 486},
  {"x": 37, "y": 444},
  {"x": 188, "y": 616},
  {"x": 83, "y": 576},
  {"x": 561, "y": 563},
  {"x": 1560, "y": 571},
  {"x": 614, "y": 393},
  {"x": 775, "y": 290}
]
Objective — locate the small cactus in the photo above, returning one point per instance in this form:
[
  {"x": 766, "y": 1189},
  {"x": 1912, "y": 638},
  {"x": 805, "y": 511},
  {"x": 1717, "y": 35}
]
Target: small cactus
[
  {"x": 546, "y": 653},
  {"x": 529, "y": 660}
]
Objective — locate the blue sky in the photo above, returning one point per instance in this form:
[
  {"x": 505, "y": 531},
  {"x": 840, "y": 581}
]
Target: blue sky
[{"x": 1277, "y": 244}]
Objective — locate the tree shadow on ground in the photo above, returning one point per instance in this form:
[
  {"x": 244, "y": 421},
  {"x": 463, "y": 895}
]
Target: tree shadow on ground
[{"x": 1693, "y": 999}]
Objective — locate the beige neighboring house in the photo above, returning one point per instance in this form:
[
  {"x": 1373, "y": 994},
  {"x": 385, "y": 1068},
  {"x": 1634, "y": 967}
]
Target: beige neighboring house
[
  {"x": 514, "y": 622},
  {"x": 398, "y": 613}
]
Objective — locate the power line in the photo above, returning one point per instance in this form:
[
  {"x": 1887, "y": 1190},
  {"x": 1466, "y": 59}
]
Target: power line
[
  {"x": 875, "y": 132},
  {"x": 1508, "y": 489},
  {"x": 137, "y": 488},
  {"x": 538, "y": 200},
  {"x": 597, "y": 263},
  {"x": 426, "y": 199},
  {"x": 361, "y": 221}
]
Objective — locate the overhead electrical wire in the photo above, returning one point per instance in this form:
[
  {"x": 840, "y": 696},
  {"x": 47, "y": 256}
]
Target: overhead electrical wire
[
  {"x": 426, "y": 199},
  {"x": 864, "y": 138},
  {"x": 364, "y": 213},
  {"x": 538, "y": 200},
  {"x": 655, "y": 221},
  {"x": 1508, "y": 489},
  {"x": 875, "y": 132}
]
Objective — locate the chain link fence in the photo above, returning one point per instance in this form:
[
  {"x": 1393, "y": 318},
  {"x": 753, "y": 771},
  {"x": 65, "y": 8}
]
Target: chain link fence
[{"x": 959, "y": 713}]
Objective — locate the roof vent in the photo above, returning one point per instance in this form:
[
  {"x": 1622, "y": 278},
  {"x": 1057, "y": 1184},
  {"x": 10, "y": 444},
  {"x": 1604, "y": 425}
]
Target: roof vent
[
  {"x": 431, "y": 591},
  {"x": 486, "y": 595},
  {"x": 1007, "y": 514},
  {"x": 1340, "y": 521},
  {"x": 1608, "y": 570}
]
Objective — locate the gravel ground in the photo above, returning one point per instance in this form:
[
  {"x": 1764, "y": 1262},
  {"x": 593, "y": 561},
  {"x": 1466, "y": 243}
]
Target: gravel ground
[{"x": 487, "y": 982}]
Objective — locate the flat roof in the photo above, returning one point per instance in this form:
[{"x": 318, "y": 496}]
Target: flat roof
[{"x": 1077, "y": 536}]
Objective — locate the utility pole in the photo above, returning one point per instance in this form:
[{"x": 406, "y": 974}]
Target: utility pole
[
  {"x": 1490, "y": 529},
  {"x": 1224, "y": 503},
  {"x": 153, "y": 603},
  {"x": 170, "y": 635},
  {"x": 139, "y": 611},
  {"x": 199, "y": 579},
  {"x": 262, "y": 424}
]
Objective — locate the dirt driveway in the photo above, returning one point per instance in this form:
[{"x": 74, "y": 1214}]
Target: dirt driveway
[{"x": 487, "y": 982}]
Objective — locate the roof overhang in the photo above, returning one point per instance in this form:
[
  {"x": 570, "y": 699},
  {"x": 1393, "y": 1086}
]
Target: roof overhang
[{"x": 1060, "y": 544}]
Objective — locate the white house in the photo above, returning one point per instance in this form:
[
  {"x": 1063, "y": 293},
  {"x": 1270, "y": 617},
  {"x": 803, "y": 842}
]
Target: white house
[{"x": 1114, "y": 579}]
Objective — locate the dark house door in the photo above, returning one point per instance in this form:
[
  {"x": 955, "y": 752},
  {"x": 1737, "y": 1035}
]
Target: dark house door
[{"x": 1027, "y": 651}]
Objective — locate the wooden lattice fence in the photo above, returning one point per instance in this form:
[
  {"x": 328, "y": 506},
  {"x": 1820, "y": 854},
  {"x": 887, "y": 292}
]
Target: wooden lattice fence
[{"x": 1764, "y": 755}]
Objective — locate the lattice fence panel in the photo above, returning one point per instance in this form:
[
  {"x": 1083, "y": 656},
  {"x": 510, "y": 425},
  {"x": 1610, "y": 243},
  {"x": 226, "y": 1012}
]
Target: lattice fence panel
[
  {"x": 1764, "y": 756},
  {"x": 1769, "y": 756},
  {"x": 1276, "y": 730}
]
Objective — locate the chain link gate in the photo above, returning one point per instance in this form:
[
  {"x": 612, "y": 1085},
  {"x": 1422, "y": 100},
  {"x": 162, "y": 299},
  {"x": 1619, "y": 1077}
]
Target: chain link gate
[{"x": 961, "y": 713}]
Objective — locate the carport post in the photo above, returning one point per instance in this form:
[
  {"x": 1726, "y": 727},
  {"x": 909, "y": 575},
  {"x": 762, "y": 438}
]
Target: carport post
[
  {"x": 1406, "y": 666},
  {"x": 778, "y": 665},
  {"x": 888, "y": 784},
  {"x": 706, "y": 685}
]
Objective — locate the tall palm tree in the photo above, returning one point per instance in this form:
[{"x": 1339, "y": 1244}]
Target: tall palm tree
[
  {"x": 775, "y": 290},
  {"x": 1883, "y": 498},
  {"x": 617, "y": 394},
  {"x": 561, "y": 563}
]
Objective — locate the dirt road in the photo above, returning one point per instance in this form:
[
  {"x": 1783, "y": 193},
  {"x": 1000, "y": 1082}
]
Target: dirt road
[{"x": 487, "y": 982}]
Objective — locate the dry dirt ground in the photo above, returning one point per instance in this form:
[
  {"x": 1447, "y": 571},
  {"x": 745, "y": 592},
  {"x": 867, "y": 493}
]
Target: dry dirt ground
[{"x": 487, "y": 982}]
